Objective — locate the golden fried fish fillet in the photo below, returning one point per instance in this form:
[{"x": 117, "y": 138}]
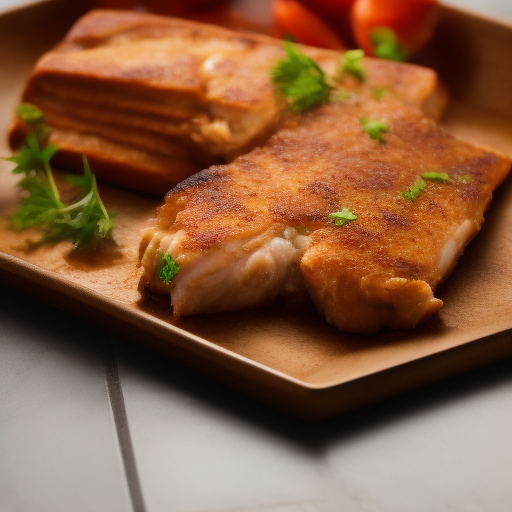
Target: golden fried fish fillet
[
  {"x": 260, "y": 227},
  {"x": 165, "y": 97}
]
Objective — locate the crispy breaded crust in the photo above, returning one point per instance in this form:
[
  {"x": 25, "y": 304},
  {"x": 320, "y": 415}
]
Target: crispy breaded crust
[{"x": 377, "y": 271}]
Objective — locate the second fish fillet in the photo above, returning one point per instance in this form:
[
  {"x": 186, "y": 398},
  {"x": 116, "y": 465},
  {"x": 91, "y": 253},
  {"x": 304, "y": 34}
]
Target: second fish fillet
[{"x": 262, "y": 226}]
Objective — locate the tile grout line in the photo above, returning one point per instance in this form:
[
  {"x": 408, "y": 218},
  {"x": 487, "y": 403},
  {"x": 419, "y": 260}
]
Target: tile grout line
[{"x": 117, "y": 406}]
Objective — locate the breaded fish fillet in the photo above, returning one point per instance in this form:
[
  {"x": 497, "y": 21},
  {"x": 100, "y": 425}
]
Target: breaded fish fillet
[
  {"x": 163, "y": 98},
  {"x": 245, "y": 233}
]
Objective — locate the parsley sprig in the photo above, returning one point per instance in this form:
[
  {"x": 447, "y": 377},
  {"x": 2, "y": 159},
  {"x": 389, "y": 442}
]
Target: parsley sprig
[
  {"x": 375, "y": 128},
  {"x": 304, "y": 83},
  {"x": 86, "y": 222},
  {"x": 343, "y": 217},
  {"x": 169, "y": 268},
  {"x": 413, "y": 192},
  {"x": 438, "y": 177},
  {"x": 301, "y": 80},
  {"x": 352, "y": 63},
  {"x": 387, "y": 46}
]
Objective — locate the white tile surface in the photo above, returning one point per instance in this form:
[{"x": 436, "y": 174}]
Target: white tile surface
[
  {"x": 202, "y": 448},
  {"x": 58, "y": 447}
]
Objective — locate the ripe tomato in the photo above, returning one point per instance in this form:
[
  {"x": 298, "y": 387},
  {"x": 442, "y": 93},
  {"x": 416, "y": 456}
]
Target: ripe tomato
[
  {"x": 413, "y": 21},
  {"x": 329, "y": 6},
  {"x": 336, "y": 13},
  {"x": 293, "y": 18}
]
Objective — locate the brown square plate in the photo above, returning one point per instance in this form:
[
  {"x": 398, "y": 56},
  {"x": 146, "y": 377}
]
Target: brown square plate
[{"x": 288, "y": 357}]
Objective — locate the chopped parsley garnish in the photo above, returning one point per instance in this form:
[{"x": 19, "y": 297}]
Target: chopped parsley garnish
[
  {"x": 169, "y": 270},
  {"x": 343, "y": 217},
  {"x": 439, "y": 177},
  {"x": 301, "y": 80},
  {"x": 352, "y": 63},
  {"x": 375, "y": 128},
  {"x": 387, "y": 46},
  {"x": 86, "y": 222},
  {"x": 411, "y": 194}
]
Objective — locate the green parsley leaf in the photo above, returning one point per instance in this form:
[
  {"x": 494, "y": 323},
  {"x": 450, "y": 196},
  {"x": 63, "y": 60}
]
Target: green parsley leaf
[
  {"x": 300, "y": 79},
  {"x": 34, "y": 117},
  {"x": 375, "y": 128},
  {"x": 85, "y": 222},
  {"x": 412, "y": 193},
  {"x": 39, "y": 208},
  {"x": 343, "y": 217},
  {"x": 352, "y": 63},
  {"x": 169, "y": 270},
  {"x": 31, "y": 158},
  {"x": 31, "y": 114},
  {"x": 439, "y": 177},
  {"x": 387, "y": 45}
]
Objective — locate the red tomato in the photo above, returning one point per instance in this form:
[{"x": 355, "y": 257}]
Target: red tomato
[
  {"x": 293, "y": 18},
  {"x": 413, "y": 21},
  {"x": 329, "y": 6},
  {"x": 336, "y": 13}
]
